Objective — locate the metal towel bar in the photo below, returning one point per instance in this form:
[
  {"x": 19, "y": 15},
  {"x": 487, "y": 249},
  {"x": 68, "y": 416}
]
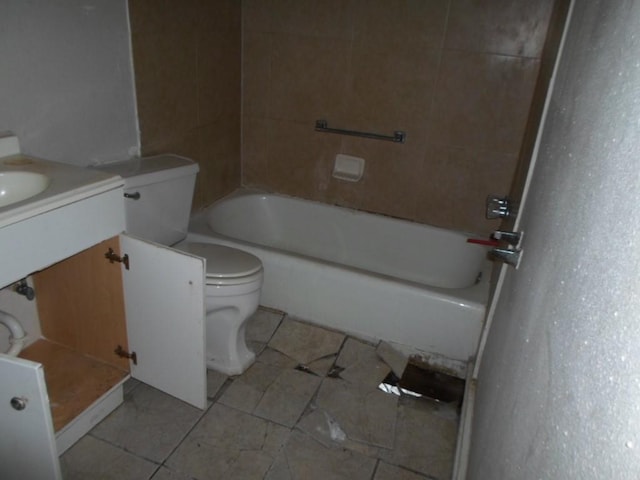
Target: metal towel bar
[{"x": 398, "y": 136}]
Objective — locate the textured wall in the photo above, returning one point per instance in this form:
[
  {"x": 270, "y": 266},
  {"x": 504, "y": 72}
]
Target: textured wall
[
  {"x": 558, "y": 386},
  {"x": 66, "y": 87},
  {"x": 187, "y": 70},
  {"x": 457, "y": 76}
]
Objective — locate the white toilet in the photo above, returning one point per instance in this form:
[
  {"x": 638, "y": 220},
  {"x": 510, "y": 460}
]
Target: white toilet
[{"x": 158, "y": 192}]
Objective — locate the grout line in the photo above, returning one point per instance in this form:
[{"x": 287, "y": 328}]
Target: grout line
[{"x": 375, "y": 469}]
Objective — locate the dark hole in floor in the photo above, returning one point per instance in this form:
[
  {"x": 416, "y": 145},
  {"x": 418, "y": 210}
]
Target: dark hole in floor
[{"x": 417, "y": 381}]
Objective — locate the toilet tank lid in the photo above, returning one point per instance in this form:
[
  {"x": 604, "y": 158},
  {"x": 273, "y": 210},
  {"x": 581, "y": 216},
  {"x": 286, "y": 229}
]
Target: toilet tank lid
[{"x": 148, "y": 170}]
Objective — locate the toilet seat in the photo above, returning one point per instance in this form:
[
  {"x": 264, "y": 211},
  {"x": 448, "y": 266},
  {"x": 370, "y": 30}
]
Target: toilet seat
[{"x": 225, "y": 265}]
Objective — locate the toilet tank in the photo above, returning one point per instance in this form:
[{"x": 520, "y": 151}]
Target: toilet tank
[{"x": 159, "y": 192}]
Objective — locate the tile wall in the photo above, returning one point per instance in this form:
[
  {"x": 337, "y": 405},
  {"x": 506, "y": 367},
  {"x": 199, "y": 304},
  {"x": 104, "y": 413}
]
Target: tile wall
[
  {"x": 187, "y": 69},
  {"x": 456, "y": 75}
]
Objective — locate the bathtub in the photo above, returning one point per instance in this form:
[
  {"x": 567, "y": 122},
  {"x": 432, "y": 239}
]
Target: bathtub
[{"x": 368, "y": 275}]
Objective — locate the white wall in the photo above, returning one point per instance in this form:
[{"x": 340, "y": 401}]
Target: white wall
[
  {"x": 66, "y": 82},
  {"x": 559, "y": 385}
]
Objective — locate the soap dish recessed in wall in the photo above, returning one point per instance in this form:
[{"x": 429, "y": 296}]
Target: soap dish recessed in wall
[{"x": 347, "y": 167}]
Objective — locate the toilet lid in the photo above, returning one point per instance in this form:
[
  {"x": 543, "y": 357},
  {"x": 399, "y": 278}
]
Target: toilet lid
[{"x": 223, "y": 262}]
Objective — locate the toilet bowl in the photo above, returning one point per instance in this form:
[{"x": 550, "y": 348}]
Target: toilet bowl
[
  {"x": 16, "y": 333},
  {"x": 232, "y": 293}
]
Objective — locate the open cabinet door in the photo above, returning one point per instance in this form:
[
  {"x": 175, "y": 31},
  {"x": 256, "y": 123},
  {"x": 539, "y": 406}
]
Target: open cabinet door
[
  {"x": 164, "y": 304},
  {"x": 27, "y": 442}
]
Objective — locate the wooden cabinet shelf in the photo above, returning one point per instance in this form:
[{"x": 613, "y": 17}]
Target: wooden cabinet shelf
[{"x": 74, "y": 380}]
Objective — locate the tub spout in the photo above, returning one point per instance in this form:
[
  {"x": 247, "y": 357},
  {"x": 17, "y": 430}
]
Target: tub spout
[{"x": 506, "y": 255}]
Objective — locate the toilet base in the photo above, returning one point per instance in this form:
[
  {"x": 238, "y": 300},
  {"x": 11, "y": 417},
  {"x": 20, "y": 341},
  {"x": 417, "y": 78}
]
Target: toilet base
[{"x": 227, "y": 313}]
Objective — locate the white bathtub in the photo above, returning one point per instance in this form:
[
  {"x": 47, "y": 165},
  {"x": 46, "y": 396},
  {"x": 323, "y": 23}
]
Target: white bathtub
[{"x": 369, "y": 275}]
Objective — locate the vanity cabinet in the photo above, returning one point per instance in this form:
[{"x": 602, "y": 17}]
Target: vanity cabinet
[{"x": 122, "y": 297}]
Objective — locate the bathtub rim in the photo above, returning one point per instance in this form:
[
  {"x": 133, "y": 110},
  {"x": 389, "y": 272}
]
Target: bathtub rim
[{"x": 474, "y": 294}]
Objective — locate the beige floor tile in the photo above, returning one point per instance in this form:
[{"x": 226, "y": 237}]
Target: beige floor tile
[
  {"x": 262, "y": 325},
  {"x": 164, "y": 473},
  {"x": 365, "y": 415},
  {"x": 391, "y": 472},
  {"x": 149, "y": 423},
  {"x": 277, "y": 359},
  {"x": 361, "y": 364},
  {"x": 305, "y": 459},
  {"x": 287, "y": 397},
  {"x": 322, "y": 366},
  {"x": 215, "y": 380},
  {"x": 247, "y": 390},
  {"x": 305, "y": 343},
  {"x": 343, "y": 426},
  {"x": 425, "y": 438},
  {"x": 94, "y": 458},
  {"x": 241, "y": 396},
  {"x": 260, "y": 328},
  {"x": 279, "y": 469},
  {"x": 228, "y": 443}
]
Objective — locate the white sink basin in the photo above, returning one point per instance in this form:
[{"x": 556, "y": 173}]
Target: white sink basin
[{"x": 16, "y": 186}]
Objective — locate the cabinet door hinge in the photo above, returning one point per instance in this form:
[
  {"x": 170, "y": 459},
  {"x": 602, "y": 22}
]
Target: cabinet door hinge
[
  {"x": 114, "y": 257},
  {"x": 121, "y": 352}
]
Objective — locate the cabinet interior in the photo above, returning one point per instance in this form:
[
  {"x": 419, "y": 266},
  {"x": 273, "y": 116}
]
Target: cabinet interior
[{"x": 80, "y": 305}]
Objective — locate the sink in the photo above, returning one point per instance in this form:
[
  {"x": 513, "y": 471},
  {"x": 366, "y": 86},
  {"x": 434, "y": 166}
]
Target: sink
[
  {"x": 51, "y": 210},
  {"x": 16, "y": 186}
]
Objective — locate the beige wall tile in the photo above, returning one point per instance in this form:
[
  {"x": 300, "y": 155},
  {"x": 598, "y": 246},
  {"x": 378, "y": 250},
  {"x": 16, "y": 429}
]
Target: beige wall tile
[
  {"x": 256, "y": 134},
  {"x": 256, "y": 73},
  {"x": 509, "y": 27},
  {"x": 396, "y": 23},
  {"x": 385, "y": 65},
  {"x": 482, "y": 101},
  {"x": 325, "y": 19},
  {"x": 218, "y": 76},
  {"x": 187, "y": 58},
  {"x": 257, "y": 16},
  {"x": 299, "y": 159},
  {"x": 165, "y": 77},
  {"x": 391, "y": 175},
  {"x": 456, "y": 76},
  {"x": 219, "y": 153},
  {"x": 455, "y": 183},
  {"x": 390, "y": 90},
  {"x": 308, "y": 78}
]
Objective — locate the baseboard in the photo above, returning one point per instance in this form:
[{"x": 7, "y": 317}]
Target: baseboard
[{"x": 464, "y": 429}]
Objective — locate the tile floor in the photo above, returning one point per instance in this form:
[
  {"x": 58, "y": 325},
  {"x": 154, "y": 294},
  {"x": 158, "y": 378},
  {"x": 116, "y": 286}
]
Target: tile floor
[{"x": 277, "y": 421}]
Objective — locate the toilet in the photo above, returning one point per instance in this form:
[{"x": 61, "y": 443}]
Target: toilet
[
  {"x": 158, "y": 194},
  {"x": 16, "y": 333}
]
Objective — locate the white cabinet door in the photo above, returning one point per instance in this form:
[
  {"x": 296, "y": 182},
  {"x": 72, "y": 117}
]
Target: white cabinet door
[
  {"x": 164, "y": 304},
  {"x": 27, "y": 442}
]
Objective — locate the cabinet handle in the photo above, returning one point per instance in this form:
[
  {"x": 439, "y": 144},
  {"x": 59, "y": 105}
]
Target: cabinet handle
[{"x": 132, "y": 196}]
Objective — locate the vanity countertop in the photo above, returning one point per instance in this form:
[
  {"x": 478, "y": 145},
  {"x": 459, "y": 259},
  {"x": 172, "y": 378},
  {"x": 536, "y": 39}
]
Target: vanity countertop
[{"x": 67, "y": 184}]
